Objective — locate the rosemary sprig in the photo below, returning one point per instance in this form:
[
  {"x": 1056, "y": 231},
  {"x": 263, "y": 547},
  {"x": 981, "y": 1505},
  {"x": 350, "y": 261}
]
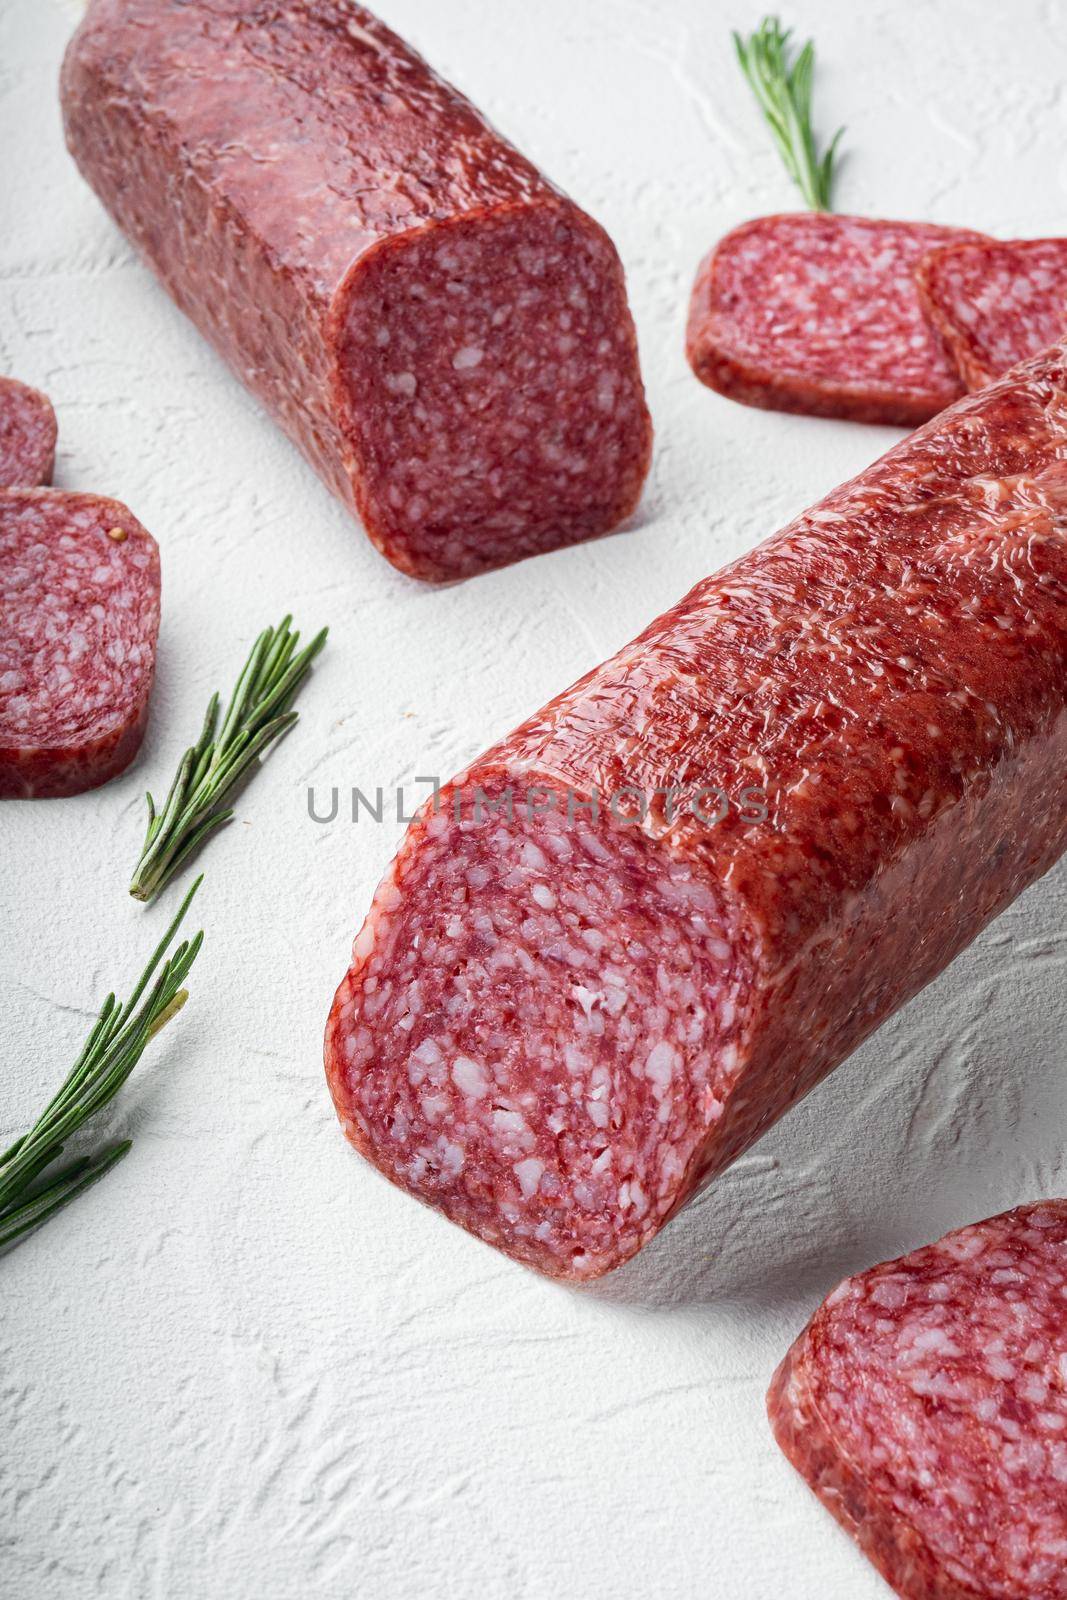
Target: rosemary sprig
[
  {"x": 31, "y": 1189},
  {"x": 257, "y": 715},
  {"x": 784, "y": 95}
]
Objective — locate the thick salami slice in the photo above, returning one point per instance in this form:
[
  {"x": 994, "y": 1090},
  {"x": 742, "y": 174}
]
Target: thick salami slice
[
  {"x": 556, "y": 1027},
  {"x": 443, "y": 334},
  {"x": 79, "y": 614},
  {"x": 820, "y": 313},
  {"x": 995, "y": 304},
  {"x": 27, "y": 435},
  {"x": 926, "y": 1405}
]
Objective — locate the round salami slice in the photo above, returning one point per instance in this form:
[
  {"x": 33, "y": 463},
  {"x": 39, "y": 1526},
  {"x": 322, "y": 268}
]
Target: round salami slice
[
  {"x": 820, "y": 313},
  {"x": 79, "y": 614},
  {"x": 926, "y": 1405},
  {"x": 639, "y": 929},
  {"x": 27, "y": 435},
  {"x": 995, "y": 304}
]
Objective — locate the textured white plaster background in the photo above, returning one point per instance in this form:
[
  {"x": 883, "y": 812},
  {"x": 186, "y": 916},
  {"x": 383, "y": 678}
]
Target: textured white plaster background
[{"x": 243, "y": 1366}]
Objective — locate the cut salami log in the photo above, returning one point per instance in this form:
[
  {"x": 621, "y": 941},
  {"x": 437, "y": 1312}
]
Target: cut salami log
[
  {"x": 995, "y": 304},
  {"x": 443, "y": 334},
  {"x": 562, "y": 1017},
  {"x": 79, "y": 614},
  {"x": 926, "y": 1405},
  {"x": 27, "y": 435},
  {"x": 820, "y": 313}
]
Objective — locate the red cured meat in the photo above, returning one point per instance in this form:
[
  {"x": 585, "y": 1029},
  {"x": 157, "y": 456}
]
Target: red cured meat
[
  {"x": 820, "y": 313},
  {"x": 79, "y": 614},
  {"x": 27, "y": 435},
  {"x": 995, "y": 304},
  {"x": 926, "y": 1405},
  {"x": 555, "y": 1030},
  {"x": 444, "y": 335}
]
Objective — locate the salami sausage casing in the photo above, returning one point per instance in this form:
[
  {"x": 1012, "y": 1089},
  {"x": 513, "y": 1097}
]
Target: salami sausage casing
[
  {"x": 27, "y": 436},
  {"x": 775, "y": 816},
  {"x": 821, "y": 313},
  {"x": 926, "y": 1405},
  {"x": 995, "y": 303},
  {"x": 443, "y": 334},
  {"x": 79, "y": 615}
]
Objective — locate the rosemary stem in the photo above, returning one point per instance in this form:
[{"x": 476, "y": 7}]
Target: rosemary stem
[
  {"x": 783, "y": 91},
  {"x": 113, "y": 1047},
  {"x": 257, "y": 715}
]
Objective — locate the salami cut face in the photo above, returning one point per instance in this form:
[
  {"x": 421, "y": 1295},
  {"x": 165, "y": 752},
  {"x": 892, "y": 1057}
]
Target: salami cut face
[
  {"x": 996, "y": 304},
  {"x": 926, "y": 1405},
  {"x": 27, "y": 435},
  {"x": 558, "y": 1000},
  {"x": 602, "y": 965},
  {"x": 79, "y": 614},
  {"x": 820, "y": 313},
  {"x": 443, "y": 334}
]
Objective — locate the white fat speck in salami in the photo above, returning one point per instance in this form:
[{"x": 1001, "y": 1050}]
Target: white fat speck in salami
[
  {"x": 820, "y": 313},
  {"x": 27, "y": 436},
  {"x": 600, "y": 1006},
  {"x": 995, "y": 302},
  {"x": 79, "y": 614},
  {"x": 926, "y": 1405}
]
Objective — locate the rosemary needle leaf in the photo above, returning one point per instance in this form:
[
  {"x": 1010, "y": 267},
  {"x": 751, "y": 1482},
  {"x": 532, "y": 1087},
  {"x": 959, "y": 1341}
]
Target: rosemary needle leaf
[
  {"x": 75, "y": 1178},
  {"x": 784, "y": 95},
  {"x": 29, "y": 1193},
  {"x": 256, "y": 716},
  {"x": 198, "y": 837}
]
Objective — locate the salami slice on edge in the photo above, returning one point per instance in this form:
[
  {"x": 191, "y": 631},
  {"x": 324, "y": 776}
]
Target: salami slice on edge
[
  {"x": 995, "y": 304},
  {"x": 27, "y": 435},
  {"x": 443, "y": 334},
  {"x": 926, "y": 1405},
  {"x": 79, "y": 614},
  {"x": 600, "y": 967},
  {"x": 820, "y": 313}
]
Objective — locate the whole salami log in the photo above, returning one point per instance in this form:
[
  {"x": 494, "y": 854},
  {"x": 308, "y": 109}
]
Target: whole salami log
[
  {"x": 821, "y": 314},
  {"x": 79, "y": 614},
  {"x": 633, "y": 934},
  {"x": 443, "y": 334},
  {"x": 926, "y": 1405},
  {"x": 995, "y": 304},
  {"x": 27, "y": 435}
]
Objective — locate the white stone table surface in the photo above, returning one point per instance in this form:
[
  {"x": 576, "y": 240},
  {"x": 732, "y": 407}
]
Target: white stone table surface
[{"x": 245, "y": 1367}]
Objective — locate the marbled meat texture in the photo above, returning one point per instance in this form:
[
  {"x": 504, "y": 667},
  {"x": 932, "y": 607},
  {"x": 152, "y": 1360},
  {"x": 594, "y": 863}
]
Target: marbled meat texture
[
  {"x": 27, "y": 436},
  {"x": 443, "y": 334},
  {"x": 996, "y": 304},
  {"x": 79, "y": 614},
  {"x": 556, "y": 1028},
  {"x": 926, "y": 1405},
  {"x": 819, "y": 313}
]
